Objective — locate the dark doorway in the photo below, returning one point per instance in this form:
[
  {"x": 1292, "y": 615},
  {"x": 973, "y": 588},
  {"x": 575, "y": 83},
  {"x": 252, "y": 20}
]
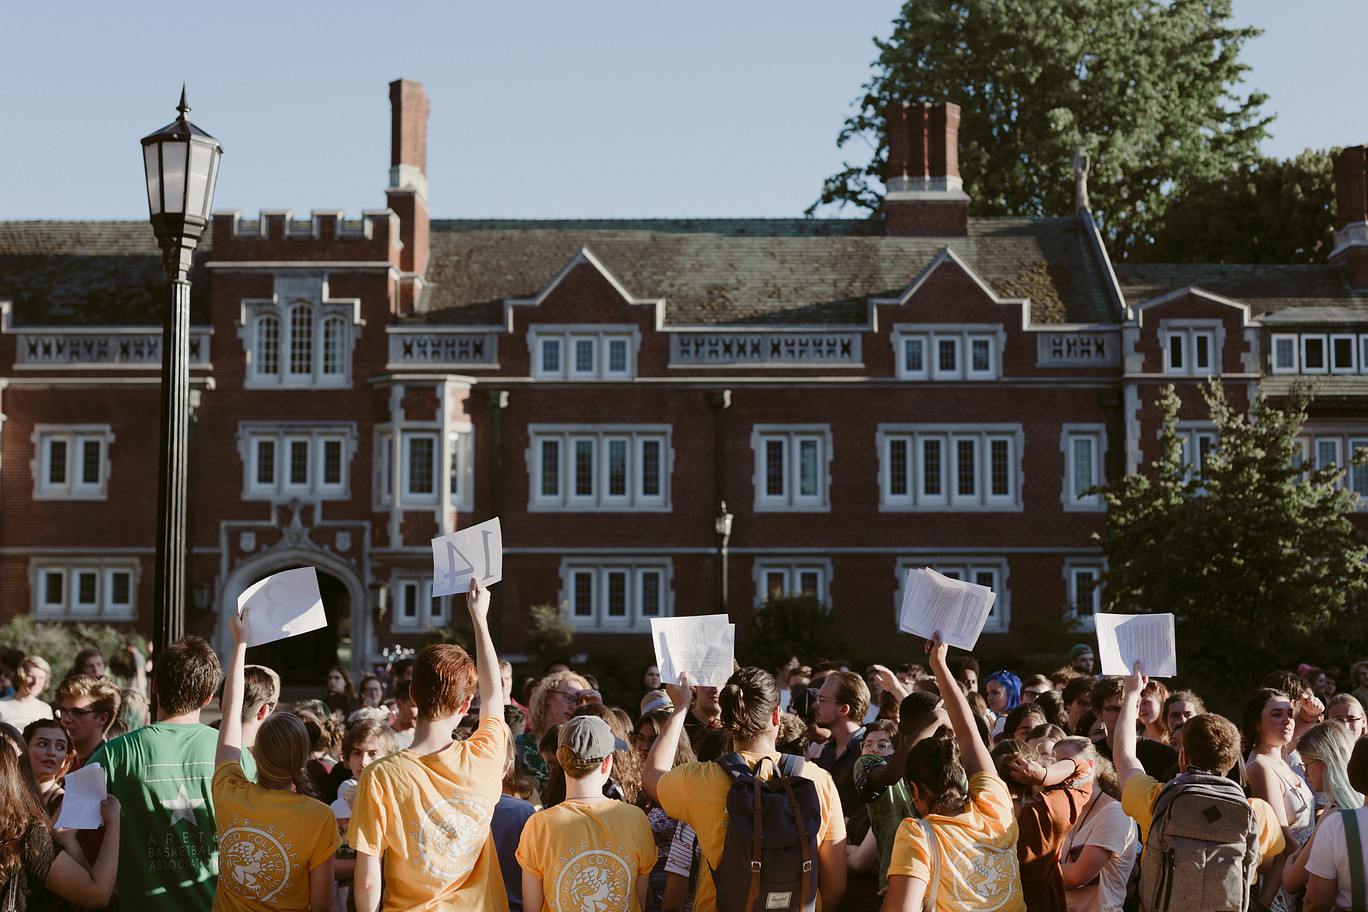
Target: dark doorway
[{"x": 305, "y": 659}]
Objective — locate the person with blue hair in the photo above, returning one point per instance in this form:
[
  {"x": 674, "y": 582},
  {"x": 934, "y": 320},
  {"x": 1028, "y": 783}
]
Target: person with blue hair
[{"x": 1003, "y": 691}]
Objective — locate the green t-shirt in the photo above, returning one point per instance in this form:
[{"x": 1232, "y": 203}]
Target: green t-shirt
[
  {"x": 248, "y": 764},
  {"x": 162, "y": 775},
  {"x": 888, "y": 808}
]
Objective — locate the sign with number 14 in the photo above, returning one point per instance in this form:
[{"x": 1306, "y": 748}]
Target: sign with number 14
[{"x": 476, "y": 553}]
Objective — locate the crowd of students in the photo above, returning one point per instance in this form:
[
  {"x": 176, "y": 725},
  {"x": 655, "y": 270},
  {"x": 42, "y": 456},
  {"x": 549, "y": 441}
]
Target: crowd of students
[{"x": 1059, "y": 792}]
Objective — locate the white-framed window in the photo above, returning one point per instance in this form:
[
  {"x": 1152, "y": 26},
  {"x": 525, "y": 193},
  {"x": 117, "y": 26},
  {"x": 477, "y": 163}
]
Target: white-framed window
[
  {"x": 1315, "y": 358},
  {"x": 1084, "y": 446},
  {"x": 1198, "y": 440},
  {"x": 72, "y": 461},
  {"x": 460, "y": 463},
  {"x": 95, "y": 587},
  {"x": 949, "y": 466},
  {"x": 583, "y": 352},
  {"x": 301, "y": 343},
  {"x": 1283, "y": 353},
  {"x": 432, "y": 468},
  {"x": 1190, "y": 349},
  {"x": 420, "y": 481},
  {"x": 1344, "y": 354},
  {"x": 1083, "y": 578},
  {"x": 935, "y": 352},
  {"x": 616, "y": 594},
  {"x": 414, "y": 606},
  {"x": 792, "y": 576},
  {"x": 599, "y": 467},
  {"x": 792, "y": 467},
  {"x": 1331, "y": 445},
  {"x": 285, "y": 461},
  {"x": 983, "y": 570}
]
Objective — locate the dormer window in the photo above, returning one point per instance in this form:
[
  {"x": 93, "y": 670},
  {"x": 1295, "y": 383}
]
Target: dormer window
[{"x": 583, "y": 352}]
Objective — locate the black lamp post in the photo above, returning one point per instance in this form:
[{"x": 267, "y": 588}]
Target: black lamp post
[
  {"x": 181, "y": 161},
  {"x": 722, "y": 525}
]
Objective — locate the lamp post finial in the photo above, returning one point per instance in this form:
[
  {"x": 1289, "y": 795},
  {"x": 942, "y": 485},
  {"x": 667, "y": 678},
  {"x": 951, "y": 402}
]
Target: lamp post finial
[{"x": 184, "y": 106}]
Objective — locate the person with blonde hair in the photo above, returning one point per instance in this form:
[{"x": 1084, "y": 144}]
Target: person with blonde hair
[
  {"x": 25, "y": 707},
  {"x": 1100, "y": 849},
  {"x": 276, "y": 841},
  {"x": 553, "y": 701},
  {"x": 87, "y": 706}
]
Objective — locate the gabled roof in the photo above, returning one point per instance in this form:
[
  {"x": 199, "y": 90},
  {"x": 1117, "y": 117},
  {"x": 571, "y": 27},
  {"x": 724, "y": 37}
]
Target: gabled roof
[
  {"x": 757, "y": 271},
  {"x": 89, "y": 274},
  {"x": 1266, "y": 289}
]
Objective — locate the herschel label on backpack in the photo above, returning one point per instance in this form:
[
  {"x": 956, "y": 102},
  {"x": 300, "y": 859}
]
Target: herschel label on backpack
[
  {"x": 1202, "y": 849},
  {"x": 769, "y": 853}
]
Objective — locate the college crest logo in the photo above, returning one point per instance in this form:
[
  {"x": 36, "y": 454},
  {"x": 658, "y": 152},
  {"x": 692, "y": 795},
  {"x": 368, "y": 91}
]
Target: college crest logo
[
  {"x": 253, "y": 863},
  {"x": 593, "y": 881},
  {"x": 448, "y": 838}
]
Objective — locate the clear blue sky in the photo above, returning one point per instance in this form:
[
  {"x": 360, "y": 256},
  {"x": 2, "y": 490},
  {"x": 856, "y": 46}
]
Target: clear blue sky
[{"x": 597, "y": 108}]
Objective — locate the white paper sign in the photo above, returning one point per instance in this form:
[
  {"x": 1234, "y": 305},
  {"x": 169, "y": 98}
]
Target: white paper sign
[
  {"x": 1124, "y": 639},
  {"x": 283, "y": 605},
  {"x": 932, "y": 601},
  {"x": 476, "y": 553},
  {"x": 85, "y": 789},
  {"x": 703, "y": 647}
]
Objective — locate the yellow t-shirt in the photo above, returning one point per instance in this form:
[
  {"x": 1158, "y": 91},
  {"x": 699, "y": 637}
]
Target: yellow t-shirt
[
  {"x": 588, "y": 854},
  {"x": 978, "y": 853},
  {"x": 696, "y": 793},
  {"x": 269, "y": 841},
  {"x": 1142, "y": 791},
  {"x": 428, "y": 816}
]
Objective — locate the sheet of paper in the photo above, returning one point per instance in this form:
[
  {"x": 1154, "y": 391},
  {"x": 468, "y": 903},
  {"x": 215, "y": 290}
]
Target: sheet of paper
[
  {"x": 85, "y": 789},
  {"x": 1123, "y": 639},
  {"x": 283, "y": 605},
  {"x": 473, "y": 552},
  {"x": 703, "y": 647},
  {"x": 932, "y": 602}
]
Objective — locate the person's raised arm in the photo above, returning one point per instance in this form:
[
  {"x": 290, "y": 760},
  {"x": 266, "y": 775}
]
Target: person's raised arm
[
  {"x": 660, "y": 760},
  {"x": 1123, "y": 739},
  {"x": 230, "y": 729},
  {"x": 890, "y": 774},
  {"x": 486, "y": 661},
  {"x": 70, "y": 880},
  {"x": 973, "y": 754},
  {"x": 890, "y": 683}
]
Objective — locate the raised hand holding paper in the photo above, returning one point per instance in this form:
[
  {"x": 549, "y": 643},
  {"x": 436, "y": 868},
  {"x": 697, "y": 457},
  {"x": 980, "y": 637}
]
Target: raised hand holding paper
[
  {"x": 1124, "y": 639},
  {"x": 474, "y": 553},
  {"x": 933, "y": 602},
  {"x": 85, "y": 790},
  {"x": 283, "y": 605},
  {"x": 703, "y": 647}
]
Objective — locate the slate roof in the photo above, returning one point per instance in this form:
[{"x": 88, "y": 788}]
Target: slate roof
[
  {"x": 90, "y": 274},
  {"x": 757, "y": 271},
  {"x": 1318, "y": 293}
]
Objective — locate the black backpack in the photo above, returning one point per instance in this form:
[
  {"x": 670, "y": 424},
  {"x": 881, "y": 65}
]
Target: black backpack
[
  {"x": 1202, "y": 849},
  {"x": 769, "y": 854}
]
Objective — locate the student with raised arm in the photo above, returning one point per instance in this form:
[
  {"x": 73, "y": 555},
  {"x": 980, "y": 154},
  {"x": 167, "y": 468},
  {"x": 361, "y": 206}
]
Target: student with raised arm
[
  {"x": 696, "y": 793},
  {"x": 963, "y": 850},
  {"x": 276, "y": 842},
  {"x": 423, "y": 813}
]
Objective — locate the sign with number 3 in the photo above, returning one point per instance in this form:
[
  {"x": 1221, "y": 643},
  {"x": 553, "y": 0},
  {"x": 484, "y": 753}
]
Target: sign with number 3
[
  {"x": 476, "y": 553},
  {"x": 283, "y": 605}
]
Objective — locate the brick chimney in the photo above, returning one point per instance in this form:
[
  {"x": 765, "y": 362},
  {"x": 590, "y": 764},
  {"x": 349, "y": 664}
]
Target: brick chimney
[
  {"x": 1351, "y": 214},
  {"x": 925, "y": 195},
  {"x": 407, "y": 192}
]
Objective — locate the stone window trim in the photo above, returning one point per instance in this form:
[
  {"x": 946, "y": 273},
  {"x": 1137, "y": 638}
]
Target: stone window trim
[
  {"x": 1083, "y": 605},
  {"x": 308, "y": 461},
  {"x": 616, "y": 594},
  {"x": 301, "y": 339},
  {"x": 781, "y": 481},
  {"x": 444, "y": 482},
  {"x": 84, "y": 588},
  {"x": 1069, "y": 436},
  {"x": 963, "y": 342},
  {"x": 795, "y": 572},
  {"x": 921, "y": 467},
  {"x": 599, "y": 468},
  {"x": 579, "y": 351},
  {"x": 1191, "y": 347},
  {"x": 71, "y": 461},
  {"x": 413, "y": 606}
]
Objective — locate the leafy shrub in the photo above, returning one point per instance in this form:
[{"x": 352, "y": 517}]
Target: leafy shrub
[{"x": 59, "y": 643}]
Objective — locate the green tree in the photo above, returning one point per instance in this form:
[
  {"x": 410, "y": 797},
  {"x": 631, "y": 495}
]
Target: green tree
[
  {"x": 793, "y": 623},
  {"x": 1148, "y": 88},
  {"x": 1253, "y": 551},
  {"x": 1266, "y": 211}
]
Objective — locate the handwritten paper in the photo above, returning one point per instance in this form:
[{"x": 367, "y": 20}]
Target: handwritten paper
[
  {"x": 703, "y": 647},
  {"x": 474, "y": 553},
  {"x": 85, "y": 789},
  {"x": 1124, "y": 639},
  {"x": 933, "y": 601},
  {"x": 283, "y": 605}
]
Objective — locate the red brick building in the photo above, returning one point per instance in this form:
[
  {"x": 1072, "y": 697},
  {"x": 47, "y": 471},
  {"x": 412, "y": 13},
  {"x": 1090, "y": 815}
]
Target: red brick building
[{"x": 927, "y": 389}]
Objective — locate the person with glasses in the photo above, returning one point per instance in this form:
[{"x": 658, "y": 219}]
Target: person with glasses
[
  {"x": 554, "y": 699},
  {"x": 87, "y": 706},
  {"x": 1346, "y": 710},
  {"x": 1157, "y": 758},
  {"x": 261, "y": 693}
]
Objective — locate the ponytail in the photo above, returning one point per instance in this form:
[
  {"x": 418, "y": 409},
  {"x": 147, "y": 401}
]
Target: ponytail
[{"x": 748, "y": 701}]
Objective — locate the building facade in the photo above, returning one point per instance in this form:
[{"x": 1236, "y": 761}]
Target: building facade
[{"x": 862, "y": 397}]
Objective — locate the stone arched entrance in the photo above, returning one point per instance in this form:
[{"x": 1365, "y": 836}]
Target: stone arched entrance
[{"x": 304, "y": 659}]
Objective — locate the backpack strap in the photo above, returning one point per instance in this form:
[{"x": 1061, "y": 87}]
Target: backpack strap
[
  {"x": 933, "y": 888},
  {"x": 758, "y": 828},
  {"x": 1353, "y": 845},
  {"x": 788, "y": 770},
  {"x": 734, "y": 764}
]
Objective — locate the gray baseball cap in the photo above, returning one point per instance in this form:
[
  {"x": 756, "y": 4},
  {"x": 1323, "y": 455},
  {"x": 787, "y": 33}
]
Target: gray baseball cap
[{"x": 589, "y": 738}]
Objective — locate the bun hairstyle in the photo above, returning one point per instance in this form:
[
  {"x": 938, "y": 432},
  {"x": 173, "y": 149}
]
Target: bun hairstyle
[
  {"x": 282, "y": 751},
  {"x": 748, "y": 701},
  {"x": 933, "y": 765}
]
